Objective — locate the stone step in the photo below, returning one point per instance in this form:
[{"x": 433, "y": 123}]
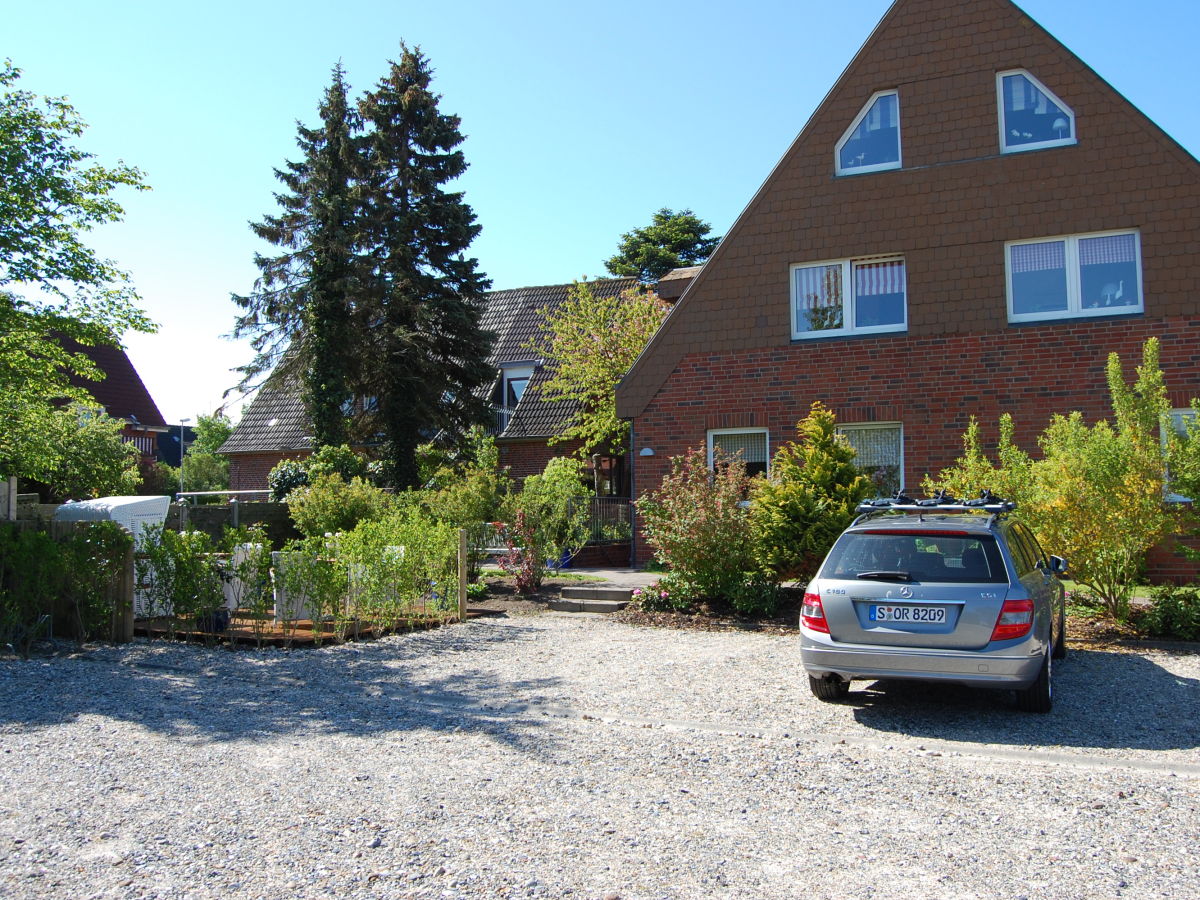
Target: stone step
[
  {"x": 592, "y": 606},
  {"x": 596, "y": 593},
  {"x": 591, "y": 599}
]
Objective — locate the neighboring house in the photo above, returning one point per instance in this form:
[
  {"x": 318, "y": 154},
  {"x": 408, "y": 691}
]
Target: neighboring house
[
  {"x": 970, "y": 222},
  {"x": 275, "y": 425},
  {"x": 525, "y": 422},
  {"x": 123, "y": 395}
]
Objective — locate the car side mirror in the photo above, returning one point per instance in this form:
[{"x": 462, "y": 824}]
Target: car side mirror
[{"x": 1058, "y": 565}]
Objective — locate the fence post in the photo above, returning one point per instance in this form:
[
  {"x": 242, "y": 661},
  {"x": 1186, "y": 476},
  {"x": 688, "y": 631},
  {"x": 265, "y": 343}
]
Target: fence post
[
  {"x": 122, "y": 615},
  {"x": 462, "y": 574}
]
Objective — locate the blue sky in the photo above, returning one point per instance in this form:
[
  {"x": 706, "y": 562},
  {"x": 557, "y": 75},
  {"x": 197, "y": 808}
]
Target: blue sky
[{"x": 581, "y": 121}]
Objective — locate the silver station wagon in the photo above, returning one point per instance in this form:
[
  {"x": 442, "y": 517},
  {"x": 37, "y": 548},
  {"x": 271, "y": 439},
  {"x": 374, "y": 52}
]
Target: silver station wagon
[{"x": 936, "y": 590}]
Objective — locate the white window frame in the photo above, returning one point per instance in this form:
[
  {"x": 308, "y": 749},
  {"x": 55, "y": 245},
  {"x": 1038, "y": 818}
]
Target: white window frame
[
  {"x": 713, "y": 432},
  {"x": 515, "y": 373},
  {"x": 877, "y": 167},
  {"x": 1075, "y": 308},
  {"x": 1003, "y": 127},
  {"x": 863, "y": 426},
  {"x": 849, "y": 299}
]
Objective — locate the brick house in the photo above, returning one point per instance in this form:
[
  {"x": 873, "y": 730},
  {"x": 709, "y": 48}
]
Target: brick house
[
  {"x": 275, "y": 425},
  {"x": 123, "y": 395},
  {"x": 970, "y": 222}
]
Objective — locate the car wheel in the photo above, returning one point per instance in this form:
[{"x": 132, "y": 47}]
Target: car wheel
[
  {"x": 1039, "y": 696},
  {"x": 1060, "y": 642},
  {"x": 831, "y": 689}
]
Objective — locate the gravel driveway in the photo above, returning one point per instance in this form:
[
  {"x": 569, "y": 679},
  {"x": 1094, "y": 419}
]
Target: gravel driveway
[{"x": 572, "y": 756}]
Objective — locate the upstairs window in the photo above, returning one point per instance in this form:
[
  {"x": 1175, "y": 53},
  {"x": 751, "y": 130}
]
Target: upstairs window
[
  {"x": 1031, "y": 117},
  {"x": 751, "y": 443},
  {"x": 1077, "y": 275},
  {"x": 848, "y": 297},
  {"x": 516, "y": 379},
  {"x": 872, "y": 142}
]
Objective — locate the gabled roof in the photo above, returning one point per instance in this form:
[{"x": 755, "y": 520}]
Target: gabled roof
[
  {"x": 276, "y": 420},
  {"x": 942, "y": 56},
  {"x": 515, "y": 315},
  {"x": 122, "y": 392}
]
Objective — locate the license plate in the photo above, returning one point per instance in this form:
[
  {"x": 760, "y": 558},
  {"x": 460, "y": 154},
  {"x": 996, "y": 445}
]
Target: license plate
[{"x": 925, "y": 615}]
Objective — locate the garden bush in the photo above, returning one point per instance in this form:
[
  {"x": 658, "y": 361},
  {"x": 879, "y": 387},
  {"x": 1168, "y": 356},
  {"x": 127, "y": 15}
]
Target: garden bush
[
  {"x": 64, "y": 587},
  {"x": 287, "y": 475},
  {"x": 798, "y": 512},
  {"x": 697, "y": 524},
  {"x": 330, "y": 504},
  {"x": 181, "y": 571},
  {"x": 1174, "y": 613}
]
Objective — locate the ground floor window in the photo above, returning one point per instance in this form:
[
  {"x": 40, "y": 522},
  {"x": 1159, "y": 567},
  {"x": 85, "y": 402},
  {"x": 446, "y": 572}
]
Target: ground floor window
[
  {"x": 880, "y": 448},
  {"x": 750, "y": 442}
]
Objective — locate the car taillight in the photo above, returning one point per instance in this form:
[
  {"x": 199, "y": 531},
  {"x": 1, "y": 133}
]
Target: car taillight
[
  {"x": 1014, "y": 621},
  {"x": 812, "y": 614}
]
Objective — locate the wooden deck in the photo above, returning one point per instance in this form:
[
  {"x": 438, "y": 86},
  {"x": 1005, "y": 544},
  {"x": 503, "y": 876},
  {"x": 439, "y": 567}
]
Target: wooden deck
[{"x": 247, "y": 630}]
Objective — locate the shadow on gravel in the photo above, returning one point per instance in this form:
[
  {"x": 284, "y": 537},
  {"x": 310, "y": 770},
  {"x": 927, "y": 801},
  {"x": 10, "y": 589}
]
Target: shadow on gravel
[
  {"x": 361, "y": 689},
  {"x": 1101, "y": 700}
]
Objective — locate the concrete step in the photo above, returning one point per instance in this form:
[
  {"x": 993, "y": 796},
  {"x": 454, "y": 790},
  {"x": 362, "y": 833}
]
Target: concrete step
[
  {"x": 593, "y": 599},
  {"x": 596, "y": 593}
]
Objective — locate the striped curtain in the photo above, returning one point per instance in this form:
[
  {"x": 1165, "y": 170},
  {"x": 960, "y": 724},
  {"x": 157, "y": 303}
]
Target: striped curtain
[
  {"x": 752, "y": 444},
  {"x": 879, "y": 278}
]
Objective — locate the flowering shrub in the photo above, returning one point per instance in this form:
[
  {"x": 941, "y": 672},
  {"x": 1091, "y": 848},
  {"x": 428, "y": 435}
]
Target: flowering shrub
[
  {"x": 659, "y": 597},
  {"x": 525, "y": 555},
  {"x": 697, "y": 524}
]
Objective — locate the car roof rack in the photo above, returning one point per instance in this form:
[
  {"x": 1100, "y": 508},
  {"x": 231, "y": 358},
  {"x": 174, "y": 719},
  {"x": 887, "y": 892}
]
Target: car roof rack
[{"x": 941, "y": 502}]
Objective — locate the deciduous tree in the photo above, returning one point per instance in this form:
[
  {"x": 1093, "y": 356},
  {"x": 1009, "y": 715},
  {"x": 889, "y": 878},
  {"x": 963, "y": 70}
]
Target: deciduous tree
[
  {"x": 51, "y": 194},
  {"x": 590, "y": 343}
]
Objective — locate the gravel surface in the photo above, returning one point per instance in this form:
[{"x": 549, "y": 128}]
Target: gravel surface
[{"x": 574, "y": 756}]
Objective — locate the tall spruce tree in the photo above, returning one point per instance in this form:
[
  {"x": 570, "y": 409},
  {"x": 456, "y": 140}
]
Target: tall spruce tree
[
  {"x": 428, "y": 351},
  {"x": 300, "y": 315}
]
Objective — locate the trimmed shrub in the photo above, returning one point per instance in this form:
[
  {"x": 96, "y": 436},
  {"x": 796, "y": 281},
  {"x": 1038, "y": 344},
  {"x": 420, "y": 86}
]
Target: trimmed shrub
[{"x": 330, "y": 504}]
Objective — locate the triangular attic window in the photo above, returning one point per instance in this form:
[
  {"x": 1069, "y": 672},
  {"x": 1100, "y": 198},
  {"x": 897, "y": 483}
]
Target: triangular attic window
[
  {"x": 1031, "y": 117},
  {"x": 872, "y": 142}
]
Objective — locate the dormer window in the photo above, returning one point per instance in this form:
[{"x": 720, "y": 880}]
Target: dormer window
[
  {"x": 1031, "y": 117},
  {"x": 872, "y": 142}
]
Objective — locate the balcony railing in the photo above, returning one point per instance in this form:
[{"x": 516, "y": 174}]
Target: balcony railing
[{"x": 501, "y": 416}]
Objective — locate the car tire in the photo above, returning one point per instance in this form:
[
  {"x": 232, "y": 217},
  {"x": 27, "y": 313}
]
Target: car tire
[
  {"x": 1039, "y": 696},
  {"x": 831, "y": 689},
  {"x": 1060, "y": 642}
]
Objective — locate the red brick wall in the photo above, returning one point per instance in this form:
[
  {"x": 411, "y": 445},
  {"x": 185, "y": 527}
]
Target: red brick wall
[
  {"x": 931, "y": 384},
  {"x": 525, "y": 458},
  {"x": 248, "y": 471}
]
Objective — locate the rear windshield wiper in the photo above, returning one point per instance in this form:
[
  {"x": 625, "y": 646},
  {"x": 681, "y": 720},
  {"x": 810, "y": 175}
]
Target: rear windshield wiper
[{"x": 885, "y": 576}]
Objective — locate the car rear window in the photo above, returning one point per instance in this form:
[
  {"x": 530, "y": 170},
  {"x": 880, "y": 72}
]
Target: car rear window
[{"x": 952, "y": 559}]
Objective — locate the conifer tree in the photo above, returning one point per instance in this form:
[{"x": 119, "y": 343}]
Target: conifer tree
[
  {"x": 427, "y": 350},
  {"x": 300, "y": 315}
]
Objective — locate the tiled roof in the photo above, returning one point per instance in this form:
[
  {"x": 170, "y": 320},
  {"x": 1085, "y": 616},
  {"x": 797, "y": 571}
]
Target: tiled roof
[
  {"x": 536, "y": 417},
  {"x": 276, "y": 420},
  {"x": 121, "y": 393},
  {"x": 515, "y": 315}
]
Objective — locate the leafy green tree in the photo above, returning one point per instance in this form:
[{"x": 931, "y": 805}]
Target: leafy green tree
[
  {"x": 299, "y": 317},
  {"x": 51, "y": 195},
  {"x": 1096, "y": 494},
  {"x": 671, "y": 240},
  {"x": 809, "y": 499},
  {"x": 591, "y": 343},
  {"x": 205, "y": 472},
  {"x": 331, "y": 504},
  {"x": 91, "y": 459},
  {"x": 426, "y": 348},
  {"x": 559, "y": 505},
  {"x": 211, "y": 433}
]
